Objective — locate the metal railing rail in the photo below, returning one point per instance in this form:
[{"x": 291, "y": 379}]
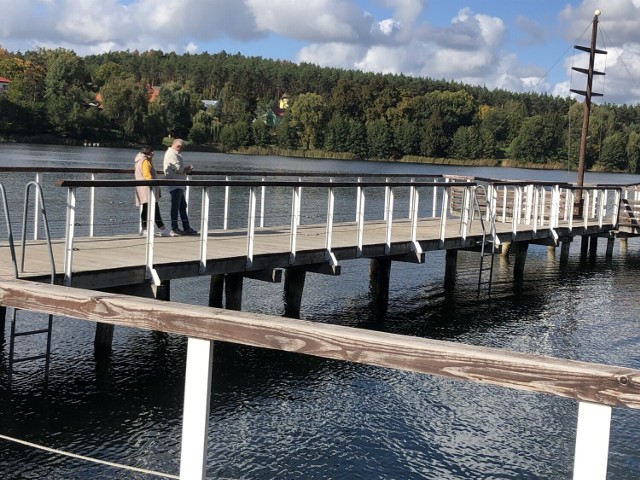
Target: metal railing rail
[
  {"x": 7, "y": 219},
  {"x": 40, "y": 207},
  {"x": 295, "y": 219}
]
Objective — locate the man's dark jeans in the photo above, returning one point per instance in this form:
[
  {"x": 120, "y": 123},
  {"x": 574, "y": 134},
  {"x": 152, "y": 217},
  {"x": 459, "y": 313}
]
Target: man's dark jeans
[{"x": 179, "y": 205}]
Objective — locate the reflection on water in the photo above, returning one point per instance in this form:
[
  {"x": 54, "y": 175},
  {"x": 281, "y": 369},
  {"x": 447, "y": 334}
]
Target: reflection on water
[{"x": 283, "y": 415}]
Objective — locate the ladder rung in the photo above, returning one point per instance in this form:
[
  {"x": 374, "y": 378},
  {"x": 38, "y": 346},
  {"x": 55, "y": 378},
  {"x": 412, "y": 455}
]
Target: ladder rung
[
  {"x": 31, "y": 332},
  {"x": 28, "y": 359}
]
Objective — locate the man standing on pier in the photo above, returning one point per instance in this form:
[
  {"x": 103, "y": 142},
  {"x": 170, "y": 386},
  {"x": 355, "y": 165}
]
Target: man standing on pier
[{"x": 174, "y": 168}]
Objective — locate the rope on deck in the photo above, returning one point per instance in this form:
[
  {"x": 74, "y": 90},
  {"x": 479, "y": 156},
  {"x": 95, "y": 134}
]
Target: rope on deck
[{"x": 89, "y": 459}]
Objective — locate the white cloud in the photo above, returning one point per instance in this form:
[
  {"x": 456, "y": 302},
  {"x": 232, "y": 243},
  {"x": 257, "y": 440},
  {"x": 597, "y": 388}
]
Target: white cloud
[
  {"x": 312, "y": 20},
  {"x": 472, "y": 48}
]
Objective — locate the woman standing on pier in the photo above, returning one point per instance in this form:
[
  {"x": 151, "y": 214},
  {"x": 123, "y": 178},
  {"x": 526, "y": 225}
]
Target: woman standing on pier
[{"x": 144, "y": 170}]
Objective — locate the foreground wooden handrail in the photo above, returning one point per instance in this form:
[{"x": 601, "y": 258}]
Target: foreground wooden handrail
[{"x": 583, "y": 381}]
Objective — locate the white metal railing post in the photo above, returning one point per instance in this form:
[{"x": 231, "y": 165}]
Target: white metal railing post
[
  {"x": 195, "y": 415},
  {"x": 443, "y": 214},
  {"x": 528, "y": 204},
  {"x": 386, "y": 199},
  {"x": 602, "y": 206},
  {"x": 572, "y": 198},
  {"x": 360, "y": 220},
  {"x": 411, "y": 188},
  {"x": 554, "y": 213},
  {"x": 434, "y": 202},
  {"x": 492, "y": 198},
  {"x": 150, "y": 273},
  {"x": 594, "y": 193},
  {"x": 204, "y": 227},
  {"x": 225, "y": 218},
  {"x": 585, "y": 210},
  {"x": 329, "y": 228},
  {"x": 36, "y": 212},
  {"x": 616, "y": 207},
  {"x": 592, "y": 442},
  {"x": 92, "y": 206},
  {"x": 543, "y": 205},
  {"x": 490, "y": 213},
  {"x": 517, "y": 209},
  {"x": 251, "y": 225},
  {"x": 187, "y": 193},
  {"x": 263, "y": 196},
  {"x": 295, "y": 221},
  {"x": 69, "y": 232},
  {"x": 389, "y": 218},
  {"x": 463, "y": 213},
  {"x": 505, "y": 189},
  {"x": 415, "y": 194},
  {"x": 358, "y": 191},
  {"x": 536, "y": 209}
]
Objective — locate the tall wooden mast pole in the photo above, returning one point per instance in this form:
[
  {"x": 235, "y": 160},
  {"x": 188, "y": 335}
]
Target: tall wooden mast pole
[{"x": 588, "y": 93}]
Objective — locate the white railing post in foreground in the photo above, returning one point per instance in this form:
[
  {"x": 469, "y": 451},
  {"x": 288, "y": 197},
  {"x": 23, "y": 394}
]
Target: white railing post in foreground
[
  {"x": 195, "y": 417},
  {"x": 592, "y": 442}
]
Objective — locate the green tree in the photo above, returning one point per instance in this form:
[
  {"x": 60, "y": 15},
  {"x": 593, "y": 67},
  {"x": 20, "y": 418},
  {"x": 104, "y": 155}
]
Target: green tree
[
  {"x": 176, "y": 101},
  {"x": 65, "y": 93},
  {"x": 539, "y": 140},
  {"x": 407, "y": 137},
  {"x": 124, "y": 103},
  {"x": 357, "y": 141},
  {"x": 235, "y": 136},
  {"x": 434, "y": 141},
  {"x": 308, "y": 114},
  {"x": 633, "y": 151},
  {"x": 337, "y": 134},
  {"x": 613, "y": 155},
  {"x": 380, "y": 139},
  {"x": 201, "y": 130},
  {"x": 286, "y": 135}
]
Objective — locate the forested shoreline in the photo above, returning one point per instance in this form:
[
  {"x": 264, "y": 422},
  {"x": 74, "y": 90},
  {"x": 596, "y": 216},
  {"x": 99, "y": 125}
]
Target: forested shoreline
[{"x": 229, "y": 103}]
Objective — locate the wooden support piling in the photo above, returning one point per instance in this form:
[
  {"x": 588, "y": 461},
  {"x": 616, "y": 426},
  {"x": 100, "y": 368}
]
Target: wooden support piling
[
  {"x": 103, "y": 340},
  {"x": 564, "y": 252},
  {"x": 610, "y": 244},
  {"x": 293, "y": 287},
  {"x": 216, "y": 290},
  {"x": 450, "y": 269},
  {"x": 624, "y": 245},
  {"x": 233, "y": 291},
  {"x": 379, "y": 278},
  {"x": 3, "y": 316},
  {"x": 593, "y": 246},
  {"x": 521, "y": 249},
  {"x": 584, "y": 246}
]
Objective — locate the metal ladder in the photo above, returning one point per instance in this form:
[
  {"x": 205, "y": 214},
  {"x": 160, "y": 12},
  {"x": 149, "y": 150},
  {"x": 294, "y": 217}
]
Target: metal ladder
[
  {"x": 488, "y": 245},
  {"x": 45, "y": 330}
]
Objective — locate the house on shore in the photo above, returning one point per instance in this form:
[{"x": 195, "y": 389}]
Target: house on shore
[{"x": 4, "y": 84}]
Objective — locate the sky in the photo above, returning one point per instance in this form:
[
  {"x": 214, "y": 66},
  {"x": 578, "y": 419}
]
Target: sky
[{"x": 516, "y": 45}]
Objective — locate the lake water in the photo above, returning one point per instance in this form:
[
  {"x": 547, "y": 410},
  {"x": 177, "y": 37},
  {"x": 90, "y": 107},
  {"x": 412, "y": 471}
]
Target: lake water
[{"x": 278, "y": 415}]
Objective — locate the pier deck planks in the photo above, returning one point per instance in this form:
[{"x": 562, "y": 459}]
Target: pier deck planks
[{"x": 102, "y": 262}]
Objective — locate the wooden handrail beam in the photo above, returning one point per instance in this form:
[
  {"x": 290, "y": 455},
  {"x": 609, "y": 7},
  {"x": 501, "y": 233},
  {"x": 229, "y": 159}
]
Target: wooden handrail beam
[{"x": 582, "y": 381}]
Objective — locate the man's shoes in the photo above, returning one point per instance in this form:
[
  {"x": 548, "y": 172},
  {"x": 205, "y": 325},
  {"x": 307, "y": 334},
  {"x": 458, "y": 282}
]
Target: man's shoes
[
  {"x": 189, "y": 231},
  {"x": 143, "y": 233},
  {"x": 165, "y": 232},
  {"x": 177, "y": 232}
]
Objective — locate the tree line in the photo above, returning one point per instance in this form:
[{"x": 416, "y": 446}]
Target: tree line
[{"x": 140, "y": 97}]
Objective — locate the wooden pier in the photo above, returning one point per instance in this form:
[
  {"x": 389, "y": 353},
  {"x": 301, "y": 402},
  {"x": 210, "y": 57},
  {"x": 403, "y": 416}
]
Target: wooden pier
[{"x": 412, "y": 217}]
